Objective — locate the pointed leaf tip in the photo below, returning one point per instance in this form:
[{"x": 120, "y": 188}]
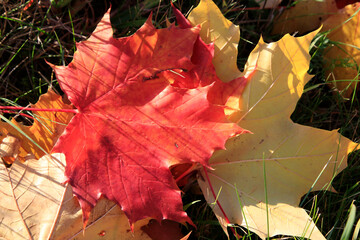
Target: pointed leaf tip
[
  {"x": 180, "y": 18},
  {"x": 225, "y": 35},
  {"x": 104, "y": 28},
  {"x": 149, "y": 20}
]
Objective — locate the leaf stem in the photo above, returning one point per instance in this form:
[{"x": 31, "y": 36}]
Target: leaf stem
[
  {"x": 21, "y": 114},
  {"x": 218, "y": 203},
  {"x": 39, "y": 109},
  {"x": 183, "y": 175}
]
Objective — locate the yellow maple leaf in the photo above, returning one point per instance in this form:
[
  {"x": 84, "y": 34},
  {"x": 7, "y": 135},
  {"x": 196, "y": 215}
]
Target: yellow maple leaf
[
  {"x": 344, "y": 57},
  {"x": 293, "y": 158},
  {"x": 44, "y": 132},
  {"x": 225, "y": 35},
  {"x": 304, "y": 16}
]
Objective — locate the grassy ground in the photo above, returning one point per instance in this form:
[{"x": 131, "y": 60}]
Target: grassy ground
[{"x": 42, "y": 32}]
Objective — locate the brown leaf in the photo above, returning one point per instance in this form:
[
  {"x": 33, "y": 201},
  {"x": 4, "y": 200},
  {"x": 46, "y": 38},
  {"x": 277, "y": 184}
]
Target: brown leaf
[
  {"x": 305, "y": 16},
  {"x": 35, "y": 204},
  {"x": 164, "y": 230},
  {"x": 9, "y": 148}
]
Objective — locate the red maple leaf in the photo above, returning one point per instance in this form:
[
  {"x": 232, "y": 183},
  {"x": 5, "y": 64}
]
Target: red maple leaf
[
  {"x": 132, "y": 125},
  {"x": 203, "y": 73}
]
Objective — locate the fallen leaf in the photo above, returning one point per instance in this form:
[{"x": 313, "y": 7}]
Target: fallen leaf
[
  {"x": 203, "y": 73},
  {"x": 342, "y": 3},
  {"x": 222, "y": 93},
  {"x": 304, "y": 16},
  {"x": 342, "y": 58},
  {"x": 164, "y": 230},
  {"x": 224, "y": 34},
  {"x": 292, "y": 156},
  {"x": 9, "y": 148},
  {"x": 27, "y": 188},
  {"x": 132, "y": 125},
  {"x": 36, "y": 205},
  {"x": 45, "y": 130},
  {"x": 107, "y": 221}
]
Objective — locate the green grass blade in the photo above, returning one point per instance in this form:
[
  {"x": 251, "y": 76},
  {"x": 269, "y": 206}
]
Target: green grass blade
[
  {"x": 242, "y": 210},
  {"x": 23, "y": 133},
  {"x": 12, "y": 58},
  {"x": 24, "y": 23},
  {"x": 349, "y": 223},
  {"x": 356, "y": 231},
  {"x": 190, "y": 204},
  {"x": 266, "y": 201},
  {"x": 72, "y": 30}
]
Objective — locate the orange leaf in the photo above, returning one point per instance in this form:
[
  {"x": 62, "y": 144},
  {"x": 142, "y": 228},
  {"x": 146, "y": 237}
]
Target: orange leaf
[
  {"x": 45, "y": 130},
  {"x": 305, "y": 16},
  {"x": 342, "y": 59}
]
